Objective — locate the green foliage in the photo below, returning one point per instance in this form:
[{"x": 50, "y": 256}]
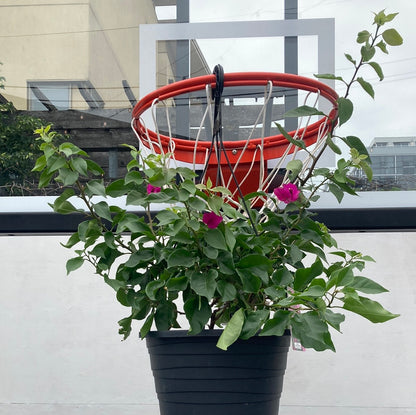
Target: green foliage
[
  {"x": 18, "y": 149},
  {"x": 251, "y": 272},
  {"x": 245, "y": 279},
  {"x": 379, "y": 39},
  {"x": 370, "y": 42}
]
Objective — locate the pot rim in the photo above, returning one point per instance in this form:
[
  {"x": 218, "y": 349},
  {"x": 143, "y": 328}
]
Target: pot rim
[{"x": 203, "y": 333}]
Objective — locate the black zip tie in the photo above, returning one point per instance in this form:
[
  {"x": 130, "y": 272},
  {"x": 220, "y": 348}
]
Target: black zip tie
[{"x": 218, "y": 142}]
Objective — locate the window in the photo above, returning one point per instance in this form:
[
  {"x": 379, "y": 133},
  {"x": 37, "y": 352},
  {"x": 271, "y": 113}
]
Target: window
[
  {"x": 406, "y": 164},
  {"x": 383, "y": 165},
  {"x": 45, "y": 96}
]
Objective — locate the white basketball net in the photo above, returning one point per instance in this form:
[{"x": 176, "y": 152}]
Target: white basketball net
[{"x": 266, "y": 177}]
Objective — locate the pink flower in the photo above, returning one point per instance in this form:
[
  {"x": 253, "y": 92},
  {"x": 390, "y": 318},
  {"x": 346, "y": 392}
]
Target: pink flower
[
  {"x": 211, "y": 219},
  {"x": 152, "y": 189},
  {"x": 287, "y": 193}
]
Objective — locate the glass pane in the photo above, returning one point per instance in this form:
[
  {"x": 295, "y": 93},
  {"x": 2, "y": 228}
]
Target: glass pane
[
  {"x": 89, "y": 67},
  {"x": 55, "y": 94}
]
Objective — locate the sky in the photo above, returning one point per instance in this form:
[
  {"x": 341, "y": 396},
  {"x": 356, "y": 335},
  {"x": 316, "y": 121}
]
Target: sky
[{"x": 392, "y": 111}]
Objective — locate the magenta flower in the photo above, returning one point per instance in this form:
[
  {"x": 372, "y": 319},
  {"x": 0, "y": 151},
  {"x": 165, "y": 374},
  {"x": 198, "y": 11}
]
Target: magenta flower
[
  {"x": 211, "y": 219},
  {"x": 287, "y": 193},
  {"x": 152, "y": 189}
]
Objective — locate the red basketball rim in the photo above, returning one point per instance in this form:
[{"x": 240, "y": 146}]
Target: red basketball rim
[{"x": 272, "y": 146}]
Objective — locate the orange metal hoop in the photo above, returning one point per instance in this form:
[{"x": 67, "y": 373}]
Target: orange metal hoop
[{"x": 273, "y": 146}]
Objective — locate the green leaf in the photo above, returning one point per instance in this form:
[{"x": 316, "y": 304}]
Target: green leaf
[
  {"x": 180, "y": 258},
  {"x": 166, "y": 217},
  {"x": 232, "y": 330},
  {"x": 73, "y": 240},
  {"x": 349, "y": 57},
  {"x": 68, "y": 177},
  {"x": 153, "y": 287},
  {"x": 133, "y": 223},
  {"x": 165, "y": 196},
  {"x": 133, "y": 197},
  {"x": 369, "y": 309},
  {"x": 345, "y": 110},
  {"x": 133, "y": 176},
  {"x": 303, "y": 111},
  {"x": 177, "y": 283},
  {"x": 381, "y": 18},
  {"x": 204, "y": 284},
  {"x": 187, "y": 173},
  {"x": 328, "y": 76},
  {"x": 340, "y": 277},
  {"x": 382, "y": 46},
  {"x": 256, "y": 265},
  {"x": 297, "y": 143},
  {"x": 354, "y": 142},
  {"x": 336, "y": 191},
  {"x": 197, "y": 204},
  {"x": 96, "y": 187},
  {"x": 73, "y": 264},
  {"x": 55, "y": 163},
  {"x": 69, "y": 149},
  {"x": 334, "y": 319},
  {"x": 277, "y": 325},
  {"x": 377, "y": 69},
  {"x": 251, "y": 283},
  {"x": 165, "y": 316},
  {"x": 227, "y": 291},
  {"x": 40, "y": 163},
  {"x": 367, "y": 169},
  {"x": 332, "y": 145},
  {"x": 210, "y": 252},
  {"x": 366, "y": 285},
  {"x": 215, "y": 203},
  {"x": 116, "y": 188},
  {"x": 363, "y": 36},
  {"x": 80, "y": 165},
  {"x": 366, "y": 86},
  {"x": 390, "y": 17},
  {"x": 114, "y": 284},
  {"x": 146, "y": 326},
  {"x": 304, "y": 276},
  {"x": 189, "y": 186},
  {"x": 282, "y": 277},
  {"x": 392, "y": 37},
  {"x": 61, "y": 204},
  {"x": 367, "y": 52},
  {"x": 94, "y": 168},
  {"x": 313, "y": 291},
  {"x": 253, "y": 323},
  {"x": 311, "y": 331},
  {"x": 125, "y": 327},
  {"x": 215, "y": 239},
  {"x": 132, "y": 164},
  {"x": 102, "y": 210},
  {"x": 295, "y": 167},
  {"x": 45, "y": 178},
  {"x": 140, "y": 256},
  {"x": 198, "y": 312},
  {"x": 229, "y": 238}
]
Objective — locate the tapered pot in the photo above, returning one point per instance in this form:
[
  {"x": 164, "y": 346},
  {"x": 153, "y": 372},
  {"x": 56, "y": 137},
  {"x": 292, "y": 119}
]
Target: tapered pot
[{"x": 194, "y": 377}]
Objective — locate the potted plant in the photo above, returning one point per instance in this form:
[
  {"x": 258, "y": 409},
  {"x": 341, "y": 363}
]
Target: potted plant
[{"x": 238, "y": 275}]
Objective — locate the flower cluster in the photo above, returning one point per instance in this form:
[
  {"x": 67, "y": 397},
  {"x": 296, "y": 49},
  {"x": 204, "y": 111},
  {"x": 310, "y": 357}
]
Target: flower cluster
[{"x": 287, "y": 193}]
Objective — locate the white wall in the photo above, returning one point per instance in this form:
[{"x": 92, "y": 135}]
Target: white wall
[{"x": 60, "y": 352}]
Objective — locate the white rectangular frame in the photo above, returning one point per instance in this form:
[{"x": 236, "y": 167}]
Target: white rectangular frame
[{"x": 149, "y": 34}]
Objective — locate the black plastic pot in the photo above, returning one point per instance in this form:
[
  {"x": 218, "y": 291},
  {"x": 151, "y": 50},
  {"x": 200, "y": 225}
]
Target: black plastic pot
[{"x": 194, "y": 377}]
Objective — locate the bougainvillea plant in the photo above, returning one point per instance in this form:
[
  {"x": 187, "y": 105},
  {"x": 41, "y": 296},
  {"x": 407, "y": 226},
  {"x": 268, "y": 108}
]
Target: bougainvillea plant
[{"x": 180, "y": 249}]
